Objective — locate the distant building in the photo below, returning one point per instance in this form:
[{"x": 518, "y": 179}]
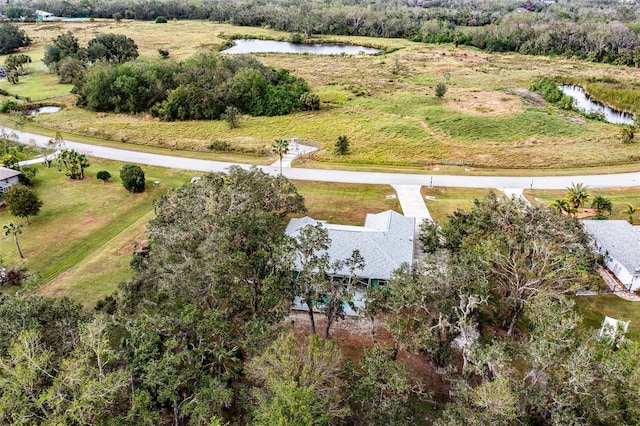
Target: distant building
[
  {"x": 385, "y": 242},
  {"x": 8, "y": 178},
  {"x": 619, "y": 242},
  {"x": 41, "y": 15}
]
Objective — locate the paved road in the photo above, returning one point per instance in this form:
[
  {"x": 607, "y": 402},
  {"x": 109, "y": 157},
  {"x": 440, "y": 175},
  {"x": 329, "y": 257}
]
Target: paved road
[{"x": 555, "y": 182}]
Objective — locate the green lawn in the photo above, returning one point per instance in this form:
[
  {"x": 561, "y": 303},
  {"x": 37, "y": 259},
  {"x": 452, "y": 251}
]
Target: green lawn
[
  {"x": 80, "y": 217},
  {"x": 448, "y": 200},
  {"x": 594, "y": 308},
  {"x": 344, "y": 203},
  {"x": 618, "y": 196}
]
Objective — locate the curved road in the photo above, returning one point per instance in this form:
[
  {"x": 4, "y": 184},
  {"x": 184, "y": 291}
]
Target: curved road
[{"x": 537, "y": 182}]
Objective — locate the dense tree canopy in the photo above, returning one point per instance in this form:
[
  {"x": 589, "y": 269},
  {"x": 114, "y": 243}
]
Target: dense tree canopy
[
  {"x": 200, "y": 88},
  {"x": 603, "y": 31},
  {"x": 12, "y": 38}
]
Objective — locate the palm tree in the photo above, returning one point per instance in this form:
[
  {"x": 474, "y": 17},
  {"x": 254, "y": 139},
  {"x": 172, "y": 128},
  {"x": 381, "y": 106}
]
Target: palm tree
[
  {"x": 577, "y": 194},
  {"x": 601, "y": 204},
  {"x": 562, "y": 206},
  {"x": 14, "y": 230},
  {"x": 630, "y": 210},
  {"x": 280, "y": 148}
]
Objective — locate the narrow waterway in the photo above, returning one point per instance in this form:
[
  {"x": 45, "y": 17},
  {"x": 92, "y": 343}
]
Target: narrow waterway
[{"x": 583, "y": 102}]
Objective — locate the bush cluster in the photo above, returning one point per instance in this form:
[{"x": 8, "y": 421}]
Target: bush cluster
[{"x": 201, "y": 88}]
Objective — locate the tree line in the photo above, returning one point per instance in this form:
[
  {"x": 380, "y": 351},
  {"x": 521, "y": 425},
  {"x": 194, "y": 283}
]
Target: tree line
[{"x": 602, "y": 31}]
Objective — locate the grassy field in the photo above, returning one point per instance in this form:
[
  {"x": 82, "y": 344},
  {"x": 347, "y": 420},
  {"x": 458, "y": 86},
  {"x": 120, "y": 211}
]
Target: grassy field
[
  {"x": 385, "y": 104},
  {"x": 81, "y": 218},
  {"x": 448, "y": 200},
  {"x": 618, "y": 196}
]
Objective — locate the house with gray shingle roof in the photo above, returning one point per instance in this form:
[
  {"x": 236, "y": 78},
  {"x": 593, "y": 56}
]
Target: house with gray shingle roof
[
  {"x": 8, "y": 178},
  {"x": 385, "y": 242},
  {"x": 619, "y": 242}
]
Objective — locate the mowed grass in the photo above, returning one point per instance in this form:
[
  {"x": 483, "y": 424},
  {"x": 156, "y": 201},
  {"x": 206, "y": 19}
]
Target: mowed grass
[
  {"x": 346, "y": 204},
  {"x": 385, "y": 103},
  {"x": 448, "y": 200},
  {"x": 618, "y": 196},
  {"x": 81, "y": 243},
  {"x": 79, "y": 217},
  {"x": 594, "y": 308}
]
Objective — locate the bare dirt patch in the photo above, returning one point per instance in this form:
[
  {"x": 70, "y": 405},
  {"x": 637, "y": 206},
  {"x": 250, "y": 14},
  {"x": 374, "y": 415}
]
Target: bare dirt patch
[
  {"x": 486, "y": 103},
  {"x": 531, "y": 98},
  {"x": 355, "y": 336}
]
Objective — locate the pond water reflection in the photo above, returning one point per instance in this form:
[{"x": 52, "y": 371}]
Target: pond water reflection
[
  {"x": 585, "y": 103},
  {"x": 272, "y": 46}
]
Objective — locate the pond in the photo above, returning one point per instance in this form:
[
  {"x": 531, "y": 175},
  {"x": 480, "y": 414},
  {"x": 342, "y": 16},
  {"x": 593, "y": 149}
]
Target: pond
[
  {"x": 585, "y": 103},
  {"x": 44, "y": 110},
  {"x": 271, "y": 46}
]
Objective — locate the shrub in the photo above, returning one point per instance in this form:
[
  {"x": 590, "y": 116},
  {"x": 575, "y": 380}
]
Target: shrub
[
  {"x": 296, "y": 38},
  {"x": 9, "y": 105},
  {"x": 232, "y": 116},
  {"x": 103, "y": 175},
  {"x": 441, "y": 90},
  {"x": 161, "y": 20},
  {"x": 310, "y": 101},
  {"x": 132, "y": 178},
  {"x": 342, "y": 145}
]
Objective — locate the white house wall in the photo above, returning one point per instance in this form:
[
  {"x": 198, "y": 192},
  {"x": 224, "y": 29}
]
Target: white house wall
[{"x": 625, "y": 277}]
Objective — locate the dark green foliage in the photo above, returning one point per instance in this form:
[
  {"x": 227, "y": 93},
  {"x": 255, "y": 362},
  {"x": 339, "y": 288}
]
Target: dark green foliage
[
  {"x": 441, "y": 90},
  {"x": 380, "y": 389},
  {"x": 103, "y": 175},
  {"x": 18, "y": 63},
  {"x": 132, "y": 177},
  {"x": 161, "y": 20},
  {"x": 310, "y": 101},
  {"x": 132, "y": 87},
  {"x": 232, "y": 116},
  {"x": 22, "y": 201},
  {"x": 296, "y": 38},
  {"x": 73, "y": 162},
  {"x": 12, "y": 38},
  {"x": 200, "y": 88},
  {"x": 341, "y": 146},
  {"x": 205, "y": 295},
  {"x": 549, "y": 89},
  {"x": 601, "y": 204},
  {"x": 56, "y": 318},
  {"x": 112, "y": 48},
  {"x": 13, "y": 77},
  {"x": 27, "y": 174},
  {"x": 70, "y": 68},
  {"x": 64, "y": 46},
  {"x": 9, "y": 105},
  {"x": 429, "y": 237}
]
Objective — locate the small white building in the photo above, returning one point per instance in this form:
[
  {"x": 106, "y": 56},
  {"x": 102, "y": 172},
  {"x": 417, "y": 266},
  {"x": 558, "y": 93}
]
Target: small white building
[
  {"x": 619, "y": 242},
  {"x": 8, "y": 178},
  {"x": 42, "y": 15},
  {"x": 385, "y": 242}
]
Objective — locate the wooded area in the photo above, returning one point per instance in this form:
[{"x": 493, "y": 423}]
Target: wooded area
[{"x": 197, "y": 335}]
